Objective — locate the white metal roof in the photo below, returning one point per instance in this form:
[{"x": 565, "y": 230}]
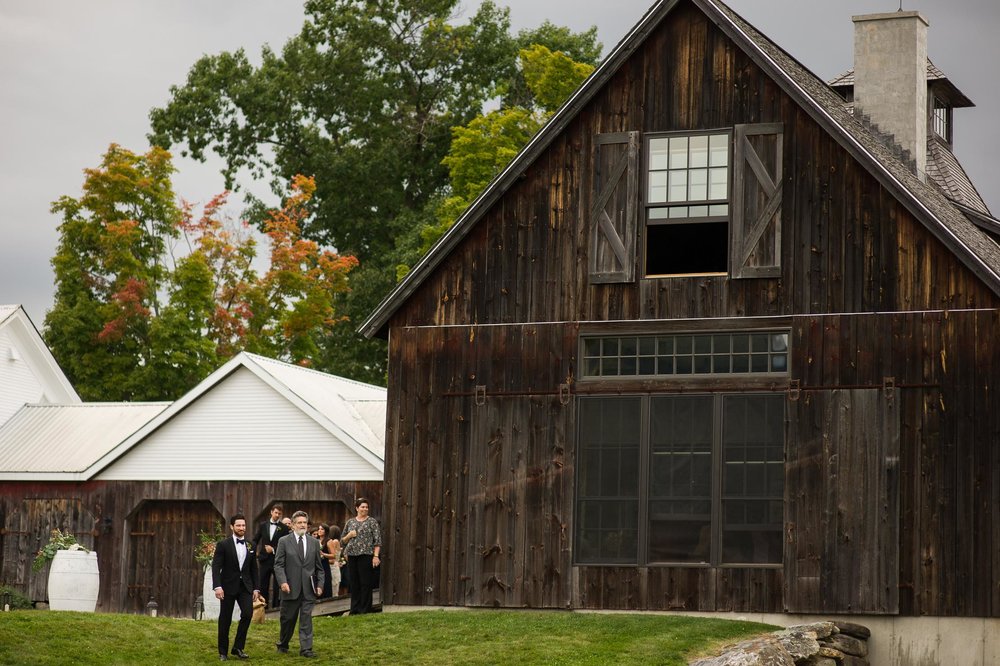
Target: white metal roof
[
  {"x": 357, "y": 408},
  {"x": 353, "y": 412},
  {"x": 50, "y": 441}
]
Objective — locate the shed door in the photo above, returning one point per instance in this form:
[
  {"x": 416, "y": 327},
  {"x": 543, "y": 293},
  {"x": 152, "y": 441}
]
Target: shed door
[
  {"x": 161, "y": 564},
  {"x": 26, "y": 529},
  {"x": 842, "y": 502}
]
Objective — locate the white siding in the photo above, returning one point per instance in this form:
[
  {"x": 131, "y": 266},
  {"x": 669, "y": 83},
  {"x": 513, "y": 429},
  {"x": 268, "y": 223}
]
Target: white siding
[
  {"x": 18, "y": 384},
  {"x": 241, "y": 429}
]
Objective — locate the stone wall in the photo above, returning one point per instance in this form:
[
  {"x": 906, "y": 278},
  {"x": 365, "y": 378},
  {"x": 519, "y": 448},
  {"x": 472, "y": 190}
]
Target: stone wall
[{"x": 817, "y": 644}]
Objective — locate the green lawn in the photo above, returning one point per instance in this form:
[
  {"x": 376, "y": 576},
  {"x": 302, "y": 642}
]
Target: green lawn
[{"x": 424, "y": 637}]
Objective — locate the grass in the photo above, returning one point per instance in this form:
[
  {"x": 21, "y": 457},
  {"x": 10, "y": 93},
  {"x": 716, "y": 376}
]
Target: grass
[{"x": 422, "y": 637}]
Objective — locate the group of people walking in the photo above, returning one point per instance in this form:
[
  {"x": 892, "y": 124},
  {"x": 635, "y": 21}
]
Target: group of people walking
[{"x": 305, "y": 567}]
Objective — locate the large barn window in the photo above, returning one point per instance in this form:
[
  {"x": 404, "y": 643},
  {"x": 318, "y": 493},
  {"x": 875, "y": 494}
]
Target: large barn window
[
  {"x": 695, "y": 479},
  {"x": 687, "y": 204}
]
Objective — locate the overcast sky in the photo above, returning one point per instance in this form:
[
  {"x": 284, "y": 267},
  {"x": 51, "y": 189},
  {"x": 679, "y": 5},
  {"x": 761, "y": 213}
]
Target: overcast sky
[{"x": 76, "y": 76}]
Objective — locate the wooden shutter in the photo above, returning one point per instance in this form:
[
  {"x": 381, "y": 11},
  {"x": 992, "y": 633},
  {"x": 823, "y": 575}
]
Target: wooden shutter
[
  {"x": 613, "y": 223},
  {"x": 842, "y": 502},
  {"x": 756, "y": 215}
]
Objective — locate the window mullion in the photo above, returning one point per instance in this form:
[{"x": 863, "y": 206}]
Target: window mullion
[
  {"x": 717, "y": 472},
  {"x": 644, "y": 470}
]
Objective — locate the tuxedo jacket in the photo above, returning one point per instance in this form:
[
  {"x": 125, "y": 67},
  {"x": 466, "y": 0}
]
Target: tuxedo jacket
[
  {"x": 302, "y": 573},
  {"x": 226, "y": 571},
  {"x": 262, "y": 538}
]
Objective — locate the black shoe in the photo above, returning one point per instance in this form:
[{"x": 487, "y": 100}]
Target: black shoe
[
  {"x": 223, "y": 657},
  {"x": 307, "y": 653},
  {"x": 240, "y": 653},
  {"x": 283, "y": 649}
]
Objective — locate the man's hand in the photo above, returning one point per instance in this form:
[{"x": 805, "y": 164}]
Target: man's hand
[
  {"x": 286, "y": 588},
  {"x": 268, "y": 548},
  {"x": 256, "y": 595},
  {"x": 319, "y": 591},
  {"x": 219, "y": 594}
]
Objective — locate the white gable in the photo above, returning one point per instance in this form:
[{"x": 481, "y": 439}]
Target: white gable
[
  {"x": 241, "y": 428},
  {"x": 28, "y": 373}
]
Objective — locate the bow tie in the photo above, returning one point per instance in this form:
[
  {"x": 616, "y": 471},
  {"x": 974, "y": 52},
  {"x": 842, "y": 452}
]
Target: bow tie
[
  {"x": 273, "y": 523},
  {"x": 240, "y": 541}
]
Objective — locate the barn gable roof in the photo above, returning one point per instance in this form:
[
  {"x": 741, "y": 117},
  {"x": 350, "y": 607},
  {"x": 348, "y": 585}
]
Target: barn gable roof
[
  {"x": 22, "y": 345},
  {"x": 946, "y": 222}
]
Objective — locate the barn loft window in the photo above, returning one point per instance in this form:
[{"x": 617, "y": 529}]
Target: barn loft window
[
  {"x": 942, "y": 119},
  {"x": 687, "y": 204},
  {"x": 680, "y": 479},
  {"x": 759, "y": 352}
]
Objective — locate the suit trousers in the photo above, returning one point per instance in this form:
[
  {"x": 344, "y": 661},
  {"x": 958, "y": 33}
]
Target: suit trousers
[
  {"x": 362, "y": 583},
  {"x": 269, "y": 582},
  {"x": 245, "y": 601},
  {"x": 290, "y": 609}
]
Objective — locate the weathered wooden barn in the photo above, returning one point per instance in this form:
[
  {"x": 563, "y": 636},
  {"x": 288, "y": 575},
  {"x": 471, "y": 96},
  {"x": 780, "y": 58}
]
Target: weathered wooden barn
[
  {"x": 138, "y": 482},
  {"x": 713, "y": 341}
]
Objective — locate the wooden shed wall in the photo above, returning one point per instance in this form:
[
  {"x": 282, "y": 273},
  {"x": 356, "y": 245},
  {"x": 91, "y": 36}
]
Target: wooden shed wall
[{"x": 83, "y": 507}]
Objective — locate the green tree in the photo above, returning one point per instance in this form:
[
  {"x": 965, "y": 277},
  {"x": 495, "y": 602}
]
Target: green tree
[
  {"x": 483, "y": 147},
  {"x": 132, "y": 322},
  {"x": 364, "y": 98}
]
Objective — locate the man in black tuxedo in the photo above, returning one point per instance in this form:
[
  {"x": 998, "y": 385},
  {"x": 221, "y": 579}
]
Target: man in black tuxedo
[
  {"x": 234, "y": 577},
  {"x": 266, "y": 543},
  {"x": 299, "y": 569}
]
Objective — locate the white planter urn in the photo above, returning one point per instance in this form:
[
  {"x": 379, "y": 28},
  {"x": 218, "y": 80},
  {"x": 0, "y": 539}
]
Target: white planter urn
[
  {"x": 74, "y": 581},
  {"x": 212, "y": 605}
]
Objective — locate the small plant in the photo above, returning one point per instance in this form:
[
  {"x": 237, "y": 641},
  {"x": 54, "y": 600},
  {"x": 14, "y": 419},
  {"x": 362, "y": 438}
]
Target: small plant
[
  {"x": 16, "y": 600},
  {"x": 58, "y": 540},
  {"x": 204, "y": 551}
]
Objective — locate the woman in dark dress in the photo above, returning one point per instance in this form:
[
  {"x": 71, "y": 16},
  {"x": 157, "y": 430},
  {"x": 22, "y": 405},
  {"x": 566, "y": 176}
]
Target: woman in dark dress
[
  {"x": 321, "y": 533},
  {"x": 362, "y": 541}
]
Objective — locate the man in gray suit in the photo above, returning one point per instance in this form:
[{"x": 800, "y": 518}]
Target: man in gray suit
[{"x": 299, "y": 570}]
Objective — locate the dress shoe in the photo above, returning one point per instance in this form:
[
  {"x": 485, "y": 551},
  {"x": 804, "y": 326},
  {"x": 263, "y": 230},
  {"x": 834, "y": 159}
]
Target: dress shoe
[
  {"x": 239, "y": 653},
  {"x": 307, "y": 653},
  {"x": 283, "y": 649},
  {"x": 223, "y": 657}
]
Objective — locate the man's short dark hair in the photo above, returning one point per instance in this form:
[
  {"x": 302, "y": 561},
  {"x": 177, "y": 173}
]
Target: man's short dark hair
[
  {"x": 361, "y": 500},
  {"x": 237, "y": 516},
  {"x": 300, "y": 513},
  {"x": 277, "y": 505}
]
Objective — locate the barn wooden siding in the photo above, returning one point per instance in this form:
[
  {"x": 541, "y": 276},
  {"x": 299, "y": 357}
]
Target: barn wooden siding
[
  {"x": 481, "y": 495},
  {"x": 146, "y": 550},
  {"x": 479, "y": 481}
]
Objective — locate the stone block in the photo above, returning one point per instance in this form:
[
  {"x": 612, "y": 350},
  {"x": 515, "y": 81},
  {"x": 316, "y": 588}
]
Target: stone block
[
  {"x": 848, "y": 644},
  {"x": 821, "y": 629},
  {"x": 852, "y": 629}
]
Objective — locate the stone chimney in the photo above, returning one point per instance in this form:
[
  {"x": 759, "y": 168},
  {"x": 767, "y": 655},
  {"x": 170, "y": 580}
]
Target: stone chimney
[{"x": 890, "y": 77}]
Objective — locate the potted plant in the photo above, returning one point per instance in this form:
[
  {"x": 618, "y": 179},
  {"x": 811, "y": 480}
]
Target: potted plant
[
  {"x": 204, "y": 551},
  {"x": 74, "y": 578}
]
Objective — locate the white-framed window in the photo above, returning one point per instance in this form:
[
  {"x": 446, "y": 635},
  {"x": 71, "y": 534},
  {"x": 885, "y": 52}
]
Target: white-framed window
[{"x": 686, "y": 200}]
